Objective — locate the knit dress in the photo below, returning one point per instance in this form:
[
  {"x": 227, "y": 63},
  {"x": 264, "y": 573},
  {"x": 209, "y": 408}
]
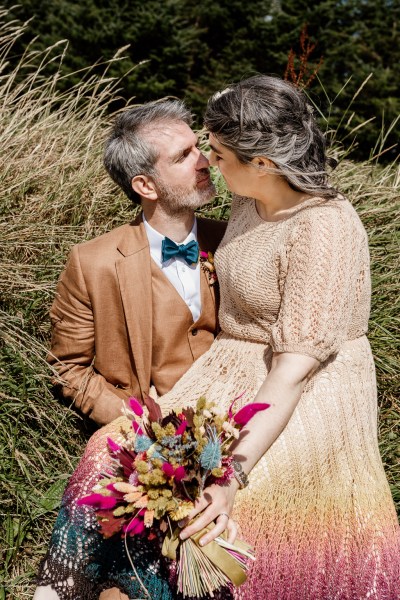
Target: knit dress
[{"x": 318, "y": 508}]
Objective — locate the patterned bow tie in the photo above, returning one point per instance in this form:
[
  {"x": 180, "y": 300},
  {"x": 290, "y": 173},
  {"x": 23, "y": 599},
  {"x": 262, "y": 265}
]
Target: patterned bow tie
[{"x": 189, "y": 252}]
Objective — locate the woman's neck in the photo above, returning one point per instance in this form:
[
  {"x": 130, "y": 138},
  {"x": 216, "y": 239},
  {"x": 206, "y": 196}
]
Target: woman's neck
[{"x": 276, "y": 198}]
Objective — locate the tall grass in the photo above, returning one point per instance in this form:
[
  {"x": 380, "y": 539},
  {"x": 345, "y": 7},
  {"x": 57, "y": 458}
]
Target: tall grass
[{"x": 54, "y": 192}]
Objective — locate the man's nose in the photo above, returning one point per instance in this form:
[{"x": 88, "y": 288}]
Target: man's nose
[{"x": 202, "y": 162}]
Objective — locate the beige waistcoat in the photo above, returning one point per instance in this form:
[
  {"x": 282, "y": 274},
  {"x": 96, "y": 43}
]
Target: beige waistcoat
[{"x": 177, "y": 341}]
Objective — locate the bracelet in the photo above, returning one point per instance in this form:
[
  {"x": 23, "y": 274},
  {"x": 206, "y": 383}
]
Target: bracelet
[{"x": 240, "y": 475}]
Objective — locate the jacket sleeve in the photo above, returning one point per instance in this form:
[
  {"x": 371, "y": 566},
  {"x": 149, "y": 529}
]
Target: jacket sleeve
[{"x": 73, "y": 348}]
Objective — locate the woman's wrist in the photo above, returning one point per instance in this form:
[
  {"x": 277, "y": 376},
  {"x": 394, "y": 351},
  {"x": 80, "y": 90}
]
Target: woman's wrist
[{"x": 240, "y": 476}]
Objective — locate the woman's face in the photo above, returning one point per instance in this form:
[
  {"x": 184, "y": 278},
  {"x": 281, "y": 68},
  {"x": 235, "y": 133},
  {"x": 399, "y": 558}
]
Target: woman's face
[{"x": 238, "y": 176}]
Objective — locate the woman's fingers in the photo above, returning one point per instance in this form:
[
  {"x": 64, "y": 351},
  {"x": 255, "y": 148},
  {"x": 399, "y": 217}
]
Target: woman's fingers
[
  {"x": 205, "y": 519},
  {"x": 200, "y": 504},
  {"x": 231, "y": 530},
  {"x": 214, "y": 505},
  {"x": 221, "y": 525},
  {"x": 202, "y": 521}
]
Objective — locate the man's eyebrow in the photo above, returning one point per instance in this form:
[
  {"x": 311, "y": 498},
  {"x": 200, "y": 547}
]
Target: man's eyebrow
[{"x": 182, "y": 151}]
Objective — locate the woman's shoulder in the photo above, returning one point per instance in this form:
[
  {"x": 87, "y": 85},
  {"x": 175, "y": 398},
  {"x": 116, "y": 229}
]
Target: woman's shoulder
[{"x": 332, "y": 212}]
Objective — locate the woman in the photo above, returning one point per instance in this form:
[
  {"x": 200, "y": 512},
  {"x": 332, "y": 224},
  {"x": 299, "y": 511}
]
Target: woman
[{"x": 293, "y": 269}]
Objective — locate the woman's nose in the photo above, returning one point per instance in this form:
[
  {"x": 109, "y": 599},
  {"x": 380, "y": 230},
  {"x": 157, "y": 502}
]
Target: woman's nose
[{"x": 212, "y": 160}]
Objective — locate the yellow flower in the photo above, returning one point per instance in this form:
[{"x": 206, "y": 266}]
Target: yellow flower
[
  {"x": 153, "y": 494},
  {"x": 169, "y": 429},
  {"x": 142, "y": 466},
  {"x": 158, "y": 431},
  {"x": 118, "y": 512},
  {"x": 230, "y": 429},
  {"x": 156, "y": 477},
  {"x": 217, "y": 472},
  {"x": 201, "y": 404},
  {"x": 181, "y": 511},
  {"x": 142, "y": 502},
  {"x": 148, "y": 518},
  {"x": 124, "y": 487},
  {"x": 133, "y": 496}
]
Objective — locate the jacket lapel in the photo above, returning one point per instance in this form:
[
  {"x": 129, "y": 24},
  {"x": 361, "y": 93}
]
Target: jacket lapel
[
  {"x": 134, "y": 277},
  {"x": 207, "y": 290}
]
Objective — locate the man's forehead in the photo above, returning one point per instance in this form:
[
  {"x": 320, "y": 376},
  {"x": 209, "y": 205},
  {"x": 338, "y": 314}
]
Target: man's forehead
[
  {"x": 168, "y": 129},
  {"x": 171, "y": 137}
]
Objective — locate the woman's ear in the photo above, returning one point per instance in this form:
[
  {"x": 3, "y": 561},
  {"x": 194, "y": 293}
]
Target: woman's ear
[
  {"x": 263, "y": 164},
  {"x": 144, "y": 186}
]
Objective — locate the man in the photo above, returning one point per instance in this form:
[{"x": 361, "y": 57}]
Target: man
[{"x": 134, "y": 307}]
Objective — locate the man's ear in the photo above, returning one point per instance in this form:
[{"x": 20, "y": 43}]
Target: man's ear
[{"x": 144, "y": 186}]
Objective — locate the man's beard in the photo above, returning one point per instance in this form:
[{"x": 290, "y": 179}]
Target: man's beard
[{"x": 178, "y": 199}]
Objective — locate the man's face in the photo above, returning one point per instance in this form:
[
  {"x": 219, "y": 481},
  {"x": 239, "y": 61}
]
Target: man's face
[{"x": 183, "y": 180}]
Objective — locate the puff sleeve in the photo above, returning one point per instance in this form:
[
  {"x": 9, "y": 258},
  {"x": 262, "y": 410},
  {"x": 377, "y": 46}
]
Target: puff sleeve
[{"x": 324, "y": 279}]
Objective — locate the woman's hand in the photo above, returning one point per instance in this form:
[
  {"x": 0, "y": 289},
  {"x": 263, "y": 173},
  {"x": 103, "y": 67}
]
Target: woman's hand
[{"x": 215, "y": 504}]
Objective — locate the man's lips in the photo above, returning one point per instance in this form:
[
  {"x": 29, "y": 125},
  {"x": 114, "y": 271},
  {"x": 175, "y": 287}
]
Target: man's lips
[{"x": 204, "y": 179}]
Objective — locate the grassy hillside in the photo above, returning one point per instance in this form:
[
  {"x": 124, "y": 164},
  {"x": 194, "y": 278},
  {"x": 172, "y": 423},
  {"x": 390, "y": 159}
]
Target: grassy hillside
[{"x": 54, "y": 193}]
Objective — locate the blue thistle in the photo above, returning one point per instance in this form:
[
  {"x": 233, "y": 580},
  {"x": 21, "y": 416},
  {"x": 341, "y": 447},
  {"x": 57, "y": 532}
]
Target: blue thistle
[
  {"x": 142, "y": 443},
  {"x": 211, "y": 456}
]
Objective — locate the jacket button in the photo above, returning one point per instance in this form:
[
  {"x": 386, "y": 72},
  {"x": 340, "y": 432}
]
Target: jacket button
[{"x": 195, "y": 331}]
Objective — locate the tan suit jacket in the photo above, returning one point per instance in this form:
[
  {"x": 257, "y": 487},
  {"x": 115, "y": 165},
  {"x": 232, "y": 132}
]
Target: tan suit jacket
[{"x": 102, "y": 318}]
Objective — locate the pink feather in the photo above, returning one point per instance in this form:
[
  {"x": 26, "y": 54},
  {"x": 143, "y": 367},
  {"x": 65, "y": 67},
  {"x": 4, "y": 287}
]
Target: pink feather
[
  {"x": 136, "y": 406},
  {"x": 98, "y": 501},
  {"x": 135, "y": 526},
  {"x": 230, "y": 412},
  {"x": 243, "y": 416},
  {"x": 136, "y": 428},
  {"x": 168, "y": 469},
  {"x": 180, "y": 473},
  {"x": 112, "y": 445},
  {"x": 181, "y": 429}
]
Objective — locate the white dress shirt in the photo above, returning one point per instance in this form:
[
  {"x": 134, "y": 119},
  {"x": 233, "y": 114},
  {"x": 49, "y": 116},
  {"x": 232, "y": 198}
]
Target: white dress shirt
[{"x": 185, "y": 278}]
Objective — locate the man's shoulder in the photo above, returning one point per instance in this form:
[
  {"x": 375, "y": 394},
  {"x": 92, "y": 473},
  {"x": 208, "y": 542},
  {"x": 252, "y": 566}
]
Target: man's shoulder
[
  {"x": 109, "y": 239},
  {"x": 212, "y": 224},
  {"x": 211, "y": 230},
  {"x": 124, "y": 238}
]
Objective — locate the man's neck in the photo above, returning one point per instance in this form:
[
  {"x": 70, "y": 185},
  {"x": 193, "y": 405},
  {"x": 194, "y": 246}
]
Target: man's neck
[{"x": 177, "y": 227}]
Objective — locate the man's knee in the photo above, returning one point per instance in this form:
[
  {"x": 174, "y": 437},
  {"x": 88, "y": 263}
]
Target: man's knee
[{"x": 113, "y": 594}]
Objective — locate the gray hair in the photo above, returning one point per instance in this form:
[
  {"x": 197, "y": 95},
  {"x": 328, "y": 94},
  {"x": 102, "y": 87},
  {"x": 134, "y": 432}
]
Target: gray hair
[
  {"x": 266, "y": 116},
  {"x": 128, "y": 152}
]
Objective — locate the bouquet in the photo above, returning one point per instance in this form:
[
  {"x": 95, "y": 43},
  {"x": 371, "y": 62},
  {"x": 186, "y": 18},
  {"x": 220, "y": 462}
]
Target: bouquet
[{"x": 158, "y": 474}]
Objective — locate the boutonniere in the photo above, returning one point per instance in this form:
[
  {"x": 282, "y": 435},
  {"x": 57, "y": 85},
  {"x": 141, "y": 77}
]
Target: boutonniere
[{"x": 207, "y": 264}]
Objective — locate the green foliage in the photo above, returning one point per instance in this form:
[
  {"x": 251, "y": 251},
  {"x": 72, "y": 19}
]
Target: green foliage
[
  {"x": 54, "y": 192},
  {"x": 193, "y": 48}
]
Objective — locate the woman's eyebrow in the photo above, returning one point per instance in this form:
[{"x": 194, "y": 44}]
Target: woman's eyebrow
[{"x": 215, "y": 149}]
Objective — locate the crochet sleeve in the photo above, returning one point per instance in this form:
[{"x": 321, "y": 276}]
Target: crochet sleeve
[{"x": 321, "y": 271}]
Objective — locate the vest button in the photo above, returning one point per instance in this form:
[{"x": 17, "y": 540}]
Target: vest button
[{"x": 195, "y": 331}]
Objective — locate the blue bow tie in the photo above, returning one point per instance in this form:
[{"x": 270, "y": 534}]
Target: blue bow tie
[{"x": 189, "y": 252}]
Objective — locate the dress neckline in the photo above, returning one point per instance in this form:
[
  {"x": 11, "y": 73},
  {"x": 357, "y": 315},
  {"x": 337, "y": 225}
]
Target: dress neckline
[{"x": 253, "y": 212}]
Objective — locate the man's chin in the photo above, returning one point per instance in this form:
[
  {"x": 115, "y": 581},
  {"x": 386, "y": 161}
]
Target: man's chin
[{"x": 190, "y": 202}]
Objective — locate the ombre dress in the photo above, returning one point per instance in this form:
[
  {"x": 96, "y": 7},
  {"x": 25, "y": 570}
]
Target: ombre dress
[{"x": 318, "y": 508}]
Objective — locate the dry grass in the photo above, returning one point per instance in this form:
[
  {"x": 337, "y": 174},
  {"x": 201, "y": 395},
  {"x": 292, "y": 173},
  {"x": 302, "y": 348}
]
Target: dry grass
[{"x": 54, "y": 192}]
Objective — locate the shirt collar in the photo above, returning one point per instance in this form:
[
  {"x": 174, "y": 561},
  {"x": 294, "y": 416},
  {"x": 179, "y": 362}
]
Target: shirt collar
[{"x": 156, "y": 238}]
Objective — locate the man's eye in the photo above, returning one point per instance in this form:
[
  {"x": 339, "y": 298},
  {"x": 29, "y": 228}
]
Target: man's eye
[{"x": 184, "y": 155}]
